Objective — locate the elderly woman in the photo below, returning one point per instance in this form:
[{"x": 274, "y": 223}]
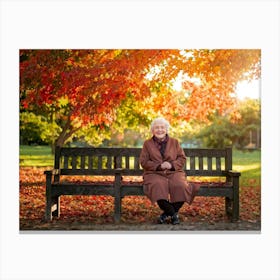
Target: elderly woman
[{"x": 163, "y": 159}]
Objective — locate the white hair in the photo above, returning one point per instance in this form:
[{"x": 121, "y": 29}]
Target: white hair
[{"x": 162, "y": 120}]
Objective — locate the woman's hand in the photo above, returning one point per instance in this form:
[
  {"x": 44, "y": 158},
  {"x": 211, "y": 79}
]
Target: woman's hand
[{"x": 166, "y": 165}]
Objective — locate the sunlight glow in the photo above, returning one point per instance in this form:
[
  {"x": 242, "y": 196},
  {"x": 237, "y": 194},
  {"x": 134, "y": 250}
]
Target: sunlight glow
[
  {"x": 177, "y": 84},
  {"x": 244, "y": 89},
  {"x": 249, "y": 89}
]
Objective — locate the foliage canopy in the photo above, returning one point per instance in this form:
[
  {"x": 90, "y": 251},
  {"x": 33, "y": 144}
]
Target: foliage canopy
[{"x": 99, "y": 89}]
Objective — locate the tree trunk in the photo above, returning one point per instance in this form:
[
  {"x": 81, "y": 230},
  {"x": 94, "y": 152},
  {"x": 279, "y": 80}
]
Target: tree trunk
[{"x": 67, "y": 131}]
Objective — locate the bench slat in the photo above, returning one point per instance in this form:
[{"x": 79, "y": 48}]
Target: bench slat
[
  {"x": 74, "y": 162},
  {"x": 205, "y": 152},
  {"x": 83, "y": 161},
  {"x": 206, "y": 173},
  {"x": 216, "y": 191},
  {"x": 100, "y": 172},
  {"x": 127, "y": 162},
  {"x": 90, "y": 162},
  {"x": 65, "y": 162},
  {"x": 99, "y": 162},
  {"x": 200, "y": 163},
  {"x": 109, "y": 162},
  {"x": 209, "y": 163},
  {"x": 136, "y": 163},
  {"x": 218, "y": 163},
  {"x": 220, "y": 191},
  {"x": 132, "y": 190},
  {"x": 118, "y": 162},
  {"x": 82, "y": 189},
  {"x": 192, "y": 163}
]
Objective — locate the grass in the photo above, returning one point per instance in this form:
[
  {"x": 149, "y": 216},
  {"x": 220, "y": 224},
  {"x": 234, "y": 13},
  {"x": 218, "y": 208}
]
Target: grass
[
  {"x": 36, "y": 156},
  {"x": 246, "y": 162},
  {"x": 249, "y": 164}
]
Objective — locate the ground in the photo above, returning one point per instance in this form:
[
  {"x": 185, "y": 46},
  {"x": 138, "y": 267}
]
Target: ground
[
  {"x": 185, "y": 227},
  {"x": 95, "y": 213}
]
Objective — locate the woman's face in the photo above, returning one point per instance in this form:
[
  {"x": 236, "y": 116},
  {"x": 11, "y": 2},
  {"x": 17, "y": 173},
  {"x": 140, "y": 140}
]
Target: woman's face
[{"x": 159, "y": 130}]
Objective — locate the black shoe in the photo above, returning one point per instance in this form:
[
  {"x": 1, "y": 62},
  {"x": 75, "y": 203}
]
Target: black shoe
[
  {"x": 175, "y": 219},
  {"x": 162, "y": 218}
]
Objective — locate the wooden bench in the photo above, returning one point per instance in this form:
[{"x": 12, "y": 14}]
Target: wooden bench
[{"x": 121, "y": 162}]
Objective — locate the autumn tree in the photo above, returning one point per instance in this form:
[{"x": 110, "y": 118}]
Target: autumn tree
[
  {"x": 80, "y": 88},
  {"x": 84, "y": 89},
  {"x": 209, "y": 79}
]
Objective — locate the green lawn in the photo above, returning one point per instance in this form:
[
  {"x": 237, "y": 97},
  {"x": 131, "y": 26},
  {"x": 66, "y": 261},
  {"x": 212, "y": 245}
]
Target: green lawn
[
  {"x": 36, "y": 156},
  {"x": 249, "y": 164},
  {"x": 246, "y": 162}
]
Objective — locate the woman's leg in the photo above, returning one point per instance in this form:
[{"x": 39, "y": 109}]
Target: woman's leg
[
  {"x": 180, "y": 189},
  {"x": 177, "y": 205},
  {"x": 166, "y": 206},
  {"x": 169, "y": 210}
]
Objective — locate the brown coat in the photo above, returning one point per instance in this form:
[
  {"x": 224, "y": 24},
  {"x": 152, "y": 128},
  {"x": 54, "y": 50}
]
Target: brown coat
[{"x": 169, "y": 185}]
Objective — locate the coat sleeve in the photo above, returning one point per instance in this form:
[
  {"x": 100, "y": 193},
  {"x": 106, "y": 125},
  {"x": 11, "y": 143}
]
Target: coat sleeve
[
  {"x": 180, "y": 160},
  {"x": 145, "y": 159}
]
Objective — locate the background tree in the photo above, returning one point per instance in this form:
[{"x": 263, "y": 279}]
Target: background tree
[
  {"x": 248, "y": 125},
  {"x": 234, "y": 129},
  {"x": 31, "y": 128}
]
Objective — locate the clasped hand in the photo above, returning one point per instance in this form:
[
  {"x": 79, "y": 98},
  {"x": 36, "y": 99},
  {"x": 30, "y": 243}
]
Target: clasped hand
[{"x": 166, "y": 165}]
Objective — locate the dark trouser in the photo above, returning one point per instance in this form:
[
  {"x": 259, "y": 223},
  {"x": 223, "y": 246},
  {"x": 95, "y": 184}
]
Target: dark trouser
[{"x": 169, "y": 208}]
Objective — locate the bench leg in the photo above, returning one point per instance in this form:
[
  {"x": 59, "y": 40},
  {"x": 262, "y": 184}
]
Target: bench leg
[
  {"x": 232, "y": 209},
  {"x": 235, "y": 203},
  {"x": 118, "y": 209},
  {"x": 235, "y": 211},
  {"x": 228, "y": 206},
  {"x": 118, "y": 198},
  {"x": 52, "y": 208},
  {"x": 48, "y": 212},
  {"x": 56, "y": 203}
]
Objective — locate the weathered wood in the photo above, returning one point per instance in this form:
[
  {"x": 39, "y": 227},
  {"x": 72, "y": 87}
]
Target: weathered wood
[
  {"x": 66, "y": 159},
  {"x": 82, "y": 189},
  {"x": 235, "y": 200},
  {"x": 118, "y": 198},
  {"x": 209, "y": 163},
  {"x": 83, "y": 162},
  {"x": 103, "y": 172},
  {"x": 216, "y": 191},
  {"x": 218, "y": 163},
  {"x": 200, "y": 163},
  {"x": 192, "y": 163},
  {"x": 204, "y": 173},
  {"x": 205, "y": 152},
  {"x": 48, "y": 212},
  {"x": 132, "y": 190},
  {"x": 121, "y": 162},
  {"x": 56, "y": 205},
  {"x": 228, "y": 159}
]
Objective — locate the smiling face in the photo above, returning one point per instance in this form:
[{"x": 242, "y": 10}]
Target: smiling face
[{"x": 159, "y": 130}]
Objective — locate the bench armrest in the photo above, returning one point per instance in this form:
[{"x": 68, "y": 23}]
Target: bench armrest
[
  {"x": 118, "y": 171},
  {"x": 232, "y": 173},
  {"x": 52, "y": 172},
  {"x": 118, "y": 175}
]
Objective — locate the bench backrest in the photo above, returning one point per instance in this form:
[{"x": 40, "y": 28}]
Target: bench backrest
[{"x": 104, "y": 161}]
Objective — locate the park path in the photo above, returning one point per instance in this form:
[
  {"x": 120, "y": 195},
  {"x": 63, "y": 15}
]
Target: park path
[{"x": 185, "y": 227}]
